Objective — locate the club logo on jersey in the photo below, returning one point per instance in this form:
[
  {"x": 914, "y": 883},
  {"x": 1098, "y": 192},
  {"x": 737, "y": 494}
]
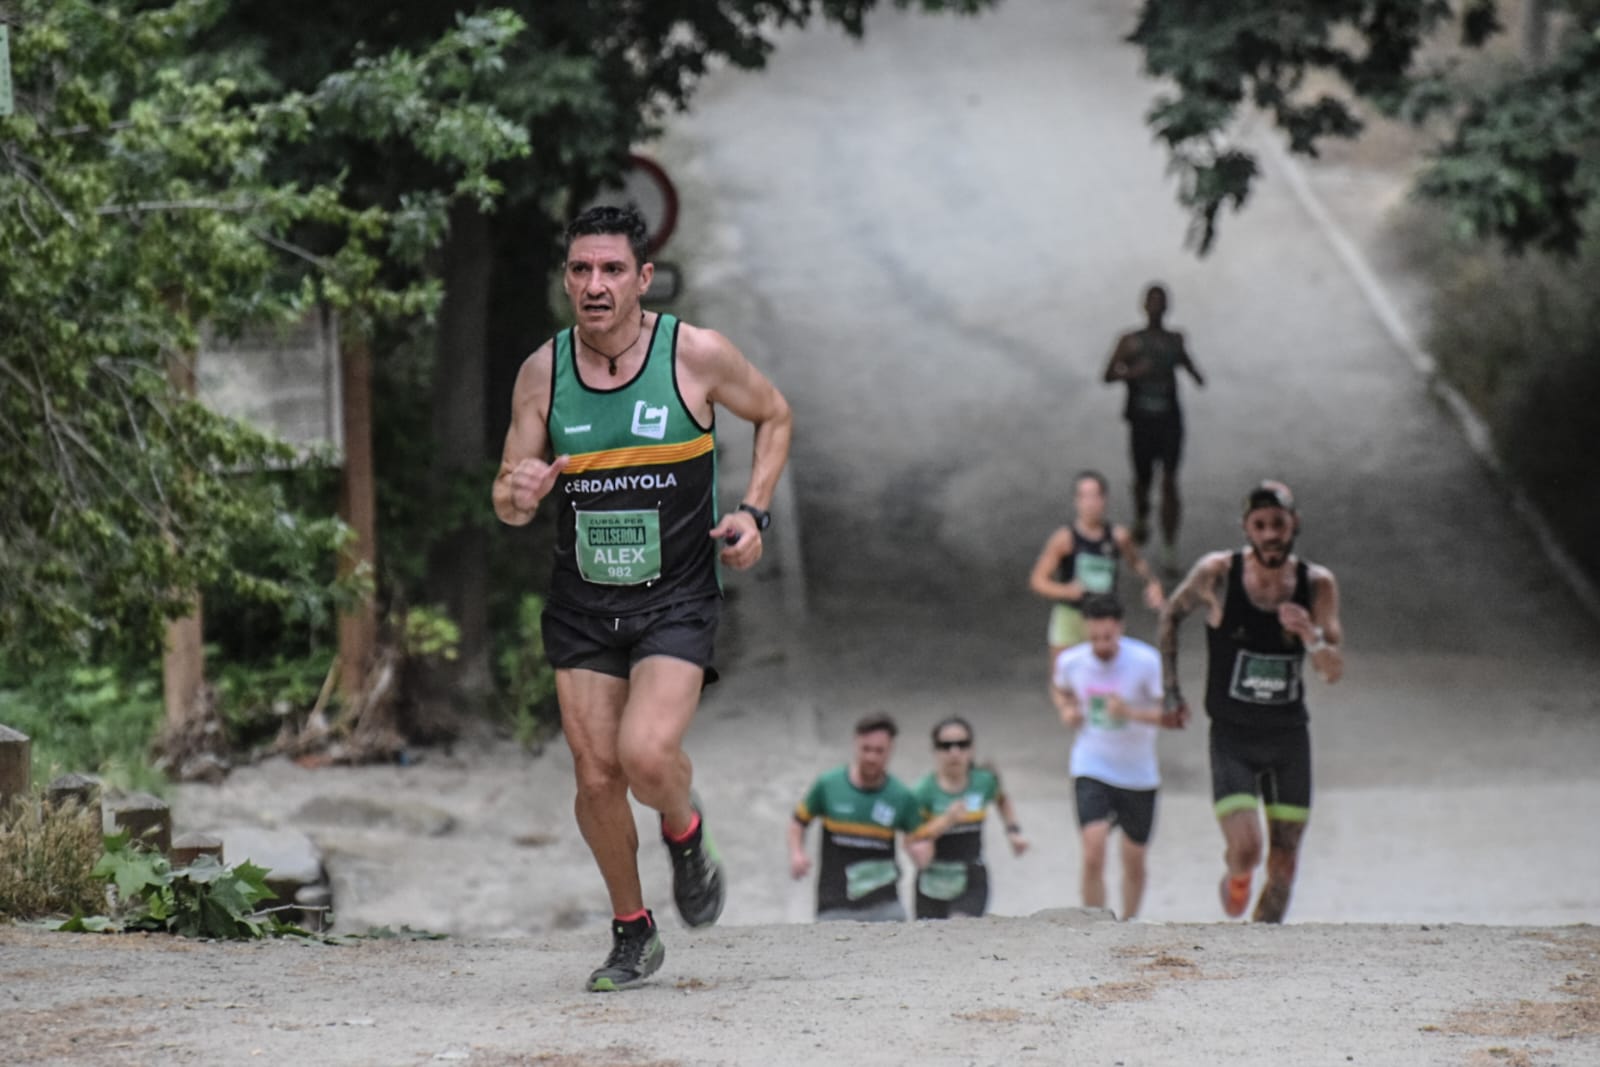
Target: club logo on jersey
[
  {"x": 648, "y": 421},
  {"x": 883, "y": 813}
]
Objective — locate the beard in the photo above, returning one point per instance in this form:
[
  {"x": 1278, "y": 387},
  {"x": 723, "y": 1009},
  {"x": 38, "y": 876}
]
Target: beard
[{"x": 1272, "y": 556}]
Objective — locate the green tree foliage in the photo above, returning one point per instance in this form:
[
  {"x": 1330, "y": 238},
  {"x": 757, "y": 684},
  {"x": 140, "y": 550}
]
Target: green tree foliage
[
  {"x": 140, "y": 198},
  {"x": 1520, "y": 166}
]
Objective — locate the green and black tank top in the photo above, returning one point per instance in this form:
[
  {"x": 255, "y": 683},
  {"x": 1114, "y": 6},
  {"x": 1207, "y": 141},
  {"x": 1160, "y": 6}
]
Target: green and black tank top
[
  {"x": 638, "y": 500},
  {"x": 1092, "y": 561},
  {"x": 1254, "y": 675},
  {"x": 1155, "y": 395}
]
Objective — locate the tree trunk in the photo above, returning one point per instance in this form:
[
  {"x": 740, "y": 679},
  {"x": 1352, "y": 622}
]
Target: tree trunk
[
  {"x": 458, "y": 565},
  {"x": 358, "y": 627},
  {"x": 183, "y": 655}
]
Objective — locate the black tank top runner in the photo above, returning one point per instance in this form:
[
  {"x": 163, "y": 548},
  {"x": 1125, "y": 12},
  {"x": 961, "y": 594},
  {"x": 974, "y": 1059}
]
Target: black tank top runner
[
  {"x": 1255, "y": 667},
  {"x": 1093, "y": 561}
]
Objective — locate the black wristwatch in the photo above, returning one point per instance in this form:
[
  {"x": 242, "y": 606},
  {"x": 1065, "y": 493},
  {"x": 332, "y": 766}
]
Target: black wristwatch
[{"x": 763, "y": 518}]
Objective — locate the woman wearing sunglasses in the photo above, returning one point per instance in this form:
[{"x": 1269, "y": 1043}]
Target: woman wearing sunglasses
[{"x": 956, "y": 797}]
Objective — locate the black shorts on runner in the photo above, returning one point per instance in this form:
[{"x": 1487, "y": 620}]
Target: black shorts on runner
[
  {"x": 1134, "y": 810},
  {"x": 1274, "y": 765},
  {"x": 686, "y": 631},
  {"x": 1155, "y": 440},
  {"x": 973, "y": 901}
]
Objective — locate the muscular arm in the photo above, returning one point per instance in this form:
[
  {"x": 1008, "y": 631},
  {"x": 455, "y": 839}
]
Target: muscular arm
[
  {"x": 1329, "y": 660},
  {"x": 1042, "y": 578},
  {"x": 1201, "y": 589},
  {"x": 723, "y": 376},
  {"x": 525, "y": 477}
]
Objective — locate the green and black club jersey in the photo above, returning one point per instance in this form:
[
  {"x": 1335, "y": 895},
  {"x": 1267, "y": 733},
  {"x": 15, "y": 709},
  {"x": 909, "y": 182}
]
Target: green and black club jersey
[
  {"x": 638, "y": 498},
  {"x": 858, "y": 867},
  {"x": 1255, "y": 668},
  {"x": 1094, "y": 561},
  {"x": 963, "y": 842}
]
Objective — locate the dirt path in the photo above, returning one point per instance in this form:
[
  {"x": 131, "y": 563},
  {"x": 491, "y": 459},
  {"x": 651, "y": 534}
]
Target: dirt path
[{"x": 1065, "y": 987}]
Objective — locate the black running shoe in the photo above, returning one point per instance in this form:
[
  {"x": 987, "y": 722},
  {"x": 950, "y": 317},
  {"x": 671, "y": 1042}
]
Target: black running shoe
[
  {"x": 636, "y": 954},
  {"x": 696, "y": 877}
]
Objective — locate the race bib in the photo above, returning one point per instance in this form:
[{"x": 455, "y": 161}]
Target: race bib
[
  {"x": 619, "y": 547},
  {"x": 1098, "y": 574},
  {"x": 943, "y": 880},
  {"x": 1259, "y": 678},
  {"x": 1098, "y": 712},
  {"x": 868, "y": 876}
]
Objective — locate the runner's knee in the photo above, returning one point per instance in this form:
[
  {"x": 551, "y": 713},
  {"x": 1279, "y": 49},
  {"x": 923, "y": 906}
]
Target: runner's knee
[{"x": 598, "y": 777}]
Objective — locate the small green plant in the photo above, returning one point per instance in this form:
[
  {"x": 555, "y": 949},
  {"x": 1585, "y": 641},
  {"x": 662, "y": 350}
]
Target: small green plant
[
  {"x": 47, "y": 859},
  {"x": 528, "y": 681},
  {"x": 428, "y": 633},
  {"x": 204, "y": 899}
]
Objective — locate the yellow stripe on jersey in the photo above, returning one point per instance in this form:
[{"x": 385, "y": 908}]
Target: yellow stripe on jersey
[
  {"x": 640, "y": 455},
  {"x": 858, "y": 829}
]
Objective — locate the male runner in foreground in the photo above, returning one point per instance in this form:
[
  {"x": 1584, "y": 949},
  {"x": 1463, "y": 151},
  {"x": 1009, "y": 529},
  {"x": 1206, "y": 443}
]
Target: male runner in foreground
[
  {"x": 1266, "y": 610},
  {"x": 614, "y": 419}
]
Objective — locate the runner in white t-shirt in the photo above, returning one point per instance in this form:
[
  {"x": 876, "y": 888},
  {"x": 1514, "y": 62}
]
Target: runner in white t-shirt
[{"x": 1109, "y": 690}]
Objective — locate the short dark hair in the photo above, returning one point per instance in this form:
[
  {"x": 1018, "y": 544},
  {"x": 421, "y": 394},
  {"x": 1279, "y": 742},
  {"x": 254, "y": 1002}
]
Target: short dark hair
[
  {"x": 1094, "y": 476},
  {"x": 872, "y": 722},
  {"x": 954, "y": 720},
  {"x": 1102, "y": 606},
  {"x": 603, "y": 219}
]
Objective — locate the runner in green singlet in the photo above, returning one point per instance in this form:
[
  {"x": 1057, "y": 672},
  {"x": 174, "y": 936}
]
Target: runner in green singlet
[
  {"x": 1082, "y": 559},
  {"x": 956, "y": 798},
  {"x": 863, "y": 809},
  {"x": 612, "y": 427}
]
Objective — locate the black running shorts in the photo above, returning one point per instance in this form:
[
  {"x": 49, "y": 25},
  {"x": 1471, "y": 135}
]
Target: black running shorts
[
  {"x": 1155, "y": 440},
  {"x": 1134, "y": 810},
  {"x": 686, "y": 631},
  {"x": 1274, "y": 765}
]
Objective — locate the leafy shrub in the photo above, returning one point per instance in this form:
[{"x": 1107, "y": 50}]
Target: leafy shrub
[{"x": 204, "y": 899}]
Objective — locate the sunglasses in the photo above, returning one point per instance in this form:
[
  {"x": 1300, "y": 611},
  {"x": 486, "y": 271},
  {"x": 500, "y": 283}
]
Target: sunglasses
[{"x": 947, "y": 746}]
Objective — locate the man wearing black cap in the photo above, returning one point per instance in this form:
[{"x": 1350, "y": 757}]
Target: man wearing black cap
[{"x": 1266, "y": 611}]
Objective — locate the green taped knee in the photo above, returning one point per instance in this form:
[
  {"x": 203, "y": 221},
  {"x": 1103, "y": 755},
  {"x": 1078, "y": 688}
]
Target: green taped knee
[
  {"x": 1288, "y": 813},
  {"x": 1234, "y": 802}
]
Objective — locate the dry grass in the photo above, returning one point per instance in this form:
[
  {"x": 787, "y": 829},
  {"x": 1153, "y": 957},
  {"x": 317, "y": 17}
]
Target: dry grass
[{"x": 45, "y": 860}]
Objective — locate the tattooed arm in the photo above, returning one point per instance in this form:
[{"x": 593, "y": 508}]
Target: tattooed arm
[{"x": 1201, "y": 589}]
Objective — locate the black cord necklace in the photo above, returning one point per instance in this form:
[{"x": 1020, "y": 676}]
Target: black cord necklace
[{"x": 610, "y": 359}]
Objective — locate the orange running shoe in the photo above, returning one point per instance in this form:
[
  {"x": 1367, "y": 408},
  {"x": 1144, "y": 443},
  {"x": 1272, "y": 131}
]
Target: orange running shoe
[{"x": 1235, "y": 894}]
